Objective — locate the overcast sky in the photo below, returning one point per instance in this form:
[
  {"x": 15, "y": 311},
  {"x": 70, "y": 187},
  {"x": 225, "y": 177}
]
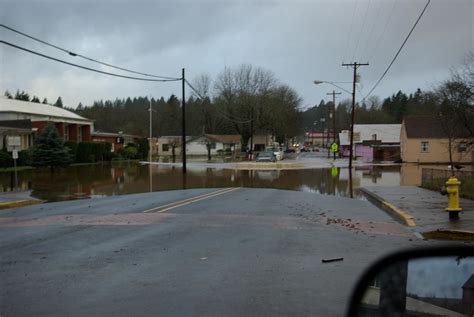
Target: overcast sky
[{"x": 299, "y": 41}]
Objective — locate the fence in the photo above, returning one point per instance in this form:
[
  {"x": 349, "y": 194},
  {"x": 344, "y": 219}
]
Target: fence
[{"x": 432, "y": 178}]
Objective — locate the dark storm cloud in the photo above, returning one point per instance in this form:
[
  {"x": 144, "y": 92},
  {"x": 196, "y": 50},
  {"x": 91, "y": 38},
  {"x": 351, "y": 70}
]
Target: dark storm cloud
[{"x": 299, "y": 41}]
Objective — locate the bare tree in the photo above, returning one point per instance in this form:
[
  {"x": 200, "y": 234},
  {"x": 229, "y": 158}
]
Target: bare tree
[
  {"x": 241, "y": 94},
  {"x": 174, "y": 142}
]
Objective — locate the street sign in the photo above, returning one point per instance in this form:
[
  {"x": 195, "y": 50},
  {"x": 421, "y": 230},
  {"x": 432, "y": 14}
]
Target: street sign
[
  {"x": 334, "y": 147},
  {"x": 334, "y": 171},
  {"x": 13, "y": 143},
  {"x": 15, "y": 154}
]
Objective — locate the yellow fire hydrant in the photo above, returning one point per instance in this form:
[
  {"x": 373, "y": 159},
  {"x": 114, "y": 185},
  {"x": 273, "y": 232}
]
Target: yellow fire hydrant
[{"x": 452, "y": 189}]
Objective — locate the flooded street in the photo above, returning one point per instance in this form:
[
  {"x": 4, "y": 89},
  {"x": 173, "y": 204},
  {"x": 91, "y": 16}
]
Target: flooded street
[{"x": 130, "y": 177}]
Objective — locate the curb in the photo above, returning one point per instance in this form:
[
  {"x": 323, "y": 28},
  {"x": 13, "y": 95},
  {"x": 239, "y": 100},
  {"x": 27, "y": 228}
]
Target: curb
[
  {"x": 405, "y": 217},
  {"x": 449, "y": 234},
  {"x": 19, "y": 203}
]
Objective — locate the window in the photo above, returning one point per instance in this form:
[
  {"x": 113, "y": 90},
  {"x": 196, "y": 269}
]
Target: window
[
  {"x": 462, "y": 147},
  {"x": 213, "y": 146},
  {"x": 374, "y": 137},
  {"x": 79, "y": 134},
  {"x": 66, "y": 133},
  {"x": 356, "y": 136},
  {"x": 425, "y": 146},
  {"x": 165, "y": 147}
]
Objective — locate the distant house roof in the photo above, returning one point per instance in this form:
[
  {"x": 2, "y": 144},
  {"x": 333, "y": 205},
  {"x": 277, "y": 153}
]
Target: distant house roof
[
  {"x": 469, "y": 283},
  {"x": 224, "y": 138},
  {"x": 219, "y": 138},
  {"x": 427, "y": 127},
  {"x": 386, "y": 133},
  {"x": 111, "y": 134},
  {"x": 33, "y": 108}
]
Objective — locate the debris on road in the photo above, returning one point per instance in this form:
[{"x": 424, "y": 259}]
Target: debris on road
[{"x": 332, "y": 260}]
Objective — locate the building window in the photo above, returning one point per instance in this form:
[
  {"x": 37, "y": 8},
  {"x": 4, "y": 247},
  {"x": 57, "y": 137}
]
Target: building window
[
  {"x": 356, "y": 136},
  {"x": 66, "y": 133},
  {"x": 79, "y": 134},
  {"x": 165, "y": 147},
  {"x": 462, "y": 147},
  {"x": 213, "y": 146},
  {"x": 425, "y": 147},
  {"x": 374, "y": 137}
]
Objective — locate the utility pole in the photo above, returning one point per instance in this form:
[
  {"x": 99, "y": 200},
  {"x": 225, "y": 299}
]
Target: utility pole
[
  {"x": 327, "y": 132},
  {"x": 355, "y": 65},
  {"x": 333, "y": 93},
  {"x": 183, "y": 124},
  {"x": 150, "y": 143}
]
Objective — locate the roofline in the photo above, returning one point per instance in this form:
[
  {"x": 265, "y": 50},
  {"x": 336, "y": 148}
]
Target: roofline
[{"x": 37, "y": 114}]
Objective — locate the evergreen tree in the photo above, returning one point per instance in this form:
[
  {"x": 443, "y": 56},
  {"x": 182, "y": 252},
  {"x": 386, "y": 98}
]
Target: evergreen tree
[
  {"x": 22, "y": 96},
  {"x": 45, "y": 101},
  {"x": 8, "y": 94},
  {"x": 80, "y": 107},
  {"x": 49, "y": 150},
  {"x": 59, "y": 103},
  {"x": 35, "y": 99}
]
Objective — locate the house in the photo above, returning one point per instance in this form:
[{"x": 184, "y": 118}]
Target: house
[
  {"x": 422, "y": 140},
  {"x": 372, "y": 142},
  {"x": 71, "y": 126},
  {"x": 166, "y": 144},
  {"x": 218, "y": 142},
  {"x": 197, "y": 145},
  {"x": 261, "y": 142},
  {"x": 118, "y": 140}
]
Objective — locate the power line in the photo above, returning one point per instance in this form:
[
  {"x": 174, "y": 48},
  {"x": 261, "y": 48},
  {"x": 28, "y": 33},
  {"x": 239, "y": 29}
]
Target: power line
[
  {"x": 84, "y": 67},
  {"x": 221, "y": 113},
  {"x": 398, "y": 52},
  {"x": 372, "y": 27},
  {"x": 377, "y": 43},
  {"x": 350, "y": 28},
  {"x": 82, "y": 56},
  {"x": 361, "y": 30}
]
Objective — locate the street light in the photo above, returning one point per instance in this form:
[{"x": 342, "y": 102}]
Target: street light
[{"x": 334, "y": 83}]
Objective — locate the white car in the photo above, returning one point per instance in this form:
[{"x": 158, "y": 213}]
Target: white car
[{"x": 278, "y": 153}]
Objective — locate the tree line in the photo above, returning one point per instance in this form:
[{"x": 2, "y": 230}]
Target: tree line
[
  {"x": 26, "y": 97},
  {"x": 249, "y": 100}
]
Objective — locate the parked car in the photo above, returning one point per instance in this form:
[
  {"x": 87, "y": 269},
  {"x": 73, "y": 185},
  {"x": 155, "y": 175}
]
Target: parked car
[
  {"x": 278, "y": 153},
  {"x": 267, "y": 156}
]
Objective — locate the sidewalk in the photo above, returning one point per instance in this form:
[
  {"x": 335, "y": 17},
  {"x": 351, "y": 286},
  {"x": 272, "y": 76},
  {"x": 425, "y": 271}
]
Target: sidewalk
[
  {"x": 424, "y": 211},
  {"x": 17, "y": 199}
]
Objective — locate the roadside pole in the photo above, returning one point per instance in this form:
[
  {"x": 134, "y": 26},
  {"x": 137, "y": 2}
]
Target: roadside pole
[
  {"x": 183, "y": 124},
  {"x": 355, "y": 65},
  {"x": 15, "y": 157},
  {"x": 150, "y": 142},
  {"x": 333, "y": 93},
  {"x": 13, "y": 145}
]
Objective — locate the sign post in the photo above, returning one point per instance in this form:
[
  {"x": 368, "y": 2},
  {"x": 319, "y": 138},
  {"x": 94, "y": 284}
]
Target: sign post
[{"x": 13, "y": 145}]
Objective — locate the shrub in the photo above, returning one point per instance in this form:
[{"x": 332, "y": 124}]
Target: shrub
[
  {"x": 5, "y": 159},
  {"x": 130, "y": 152},
  {"x": 24, "y": 158},
  {"x": 89, "y": 152}
]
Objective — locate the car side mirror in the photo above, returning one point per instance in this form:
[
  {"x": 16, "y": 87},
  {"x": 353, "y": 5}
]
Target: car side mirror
[{"x": 419, "y": 282}]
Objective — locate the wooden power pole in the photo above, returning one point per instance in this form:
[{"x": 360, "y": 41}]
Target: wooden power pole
[{"x": 355, "y": 65}]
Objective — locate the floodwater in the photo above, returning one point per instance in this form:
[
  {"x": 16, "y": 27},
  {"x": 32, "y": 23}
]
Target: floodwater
[{"x": 107, "y": 179}]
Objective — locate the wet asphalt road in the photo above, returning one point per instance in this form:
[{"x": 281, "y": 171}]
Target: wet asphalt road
[{"x": 238, "y": 253}]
